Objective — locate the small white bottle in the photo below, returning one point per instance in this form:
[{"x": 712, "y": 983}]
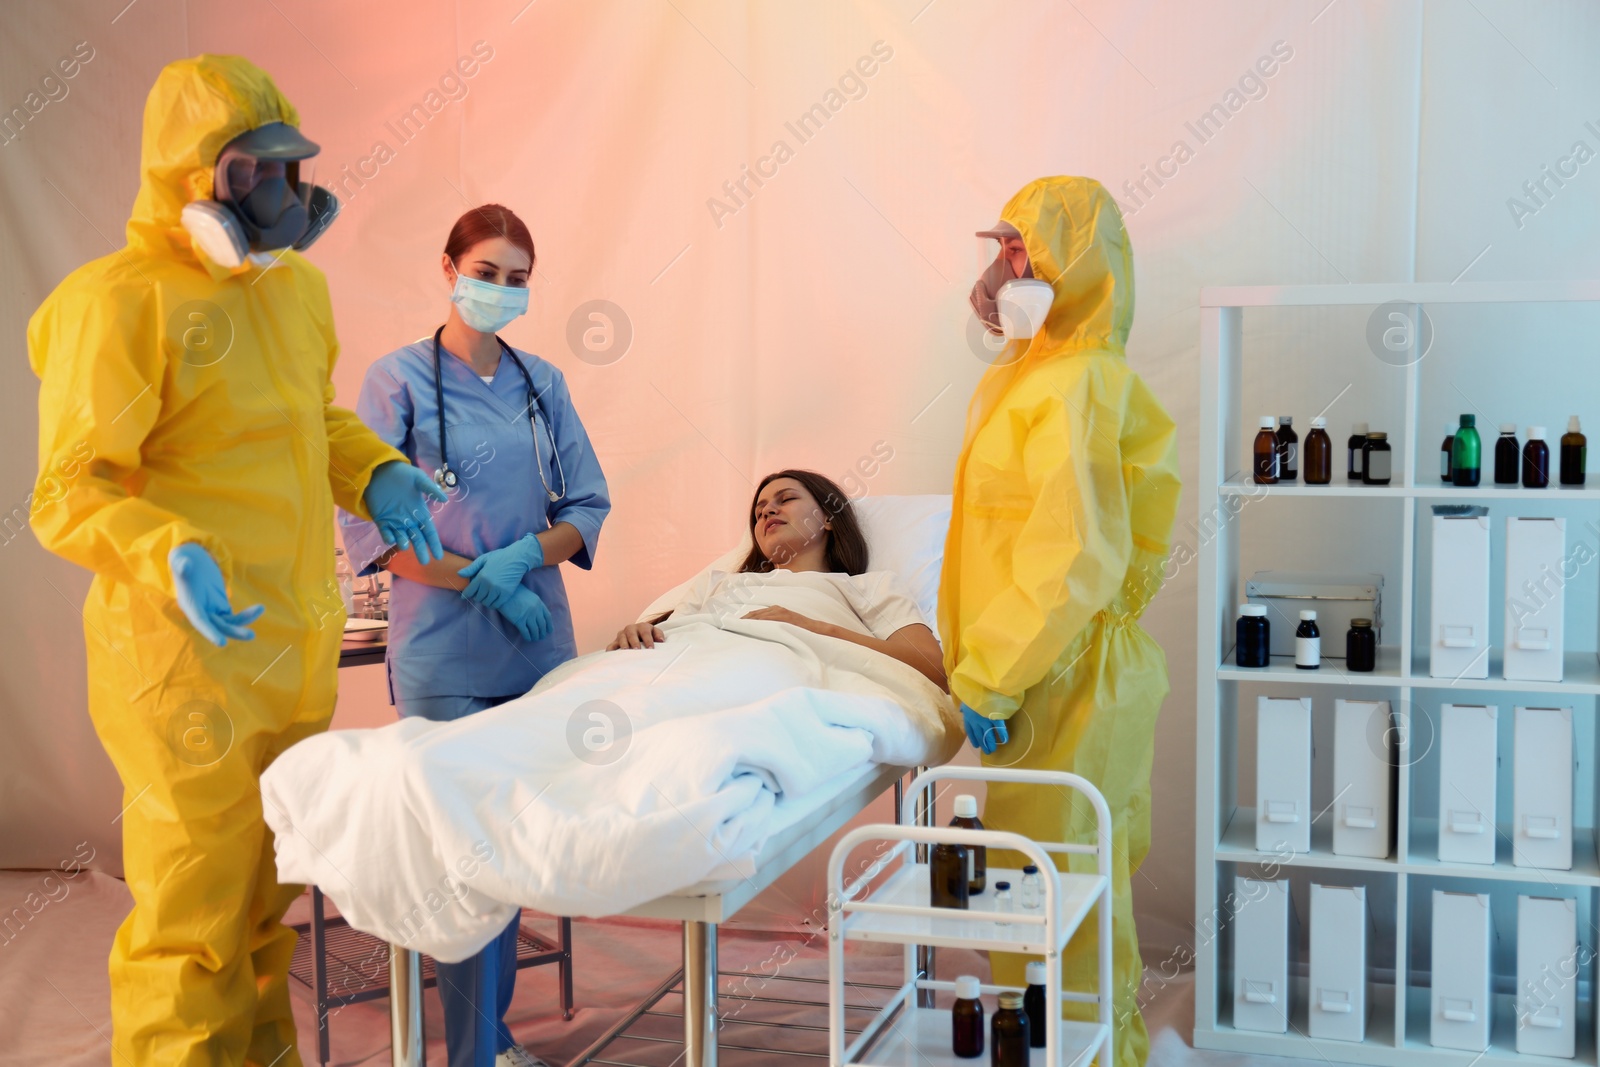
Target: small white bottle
[
  {"x": 1308, "y": 643},
  {"x": 1003, "y": 903},
  {"x": 1032, "y": 888}
]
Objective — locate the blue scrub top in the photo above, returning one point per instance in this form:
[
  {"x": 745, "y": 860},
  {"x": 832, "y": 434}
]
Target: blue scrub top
[{"x": 441, "y": 644}]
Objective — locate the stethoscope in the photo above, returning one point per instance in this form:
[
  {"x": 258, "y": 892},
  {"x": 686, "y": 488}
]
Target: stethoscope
[{"x": 444, "y": 476}]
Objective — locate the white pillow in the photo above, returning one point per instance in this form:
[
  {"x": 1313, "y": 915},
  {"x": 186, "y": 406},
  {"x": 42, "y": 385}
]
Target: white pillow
[{"x": 905, "y": 535}]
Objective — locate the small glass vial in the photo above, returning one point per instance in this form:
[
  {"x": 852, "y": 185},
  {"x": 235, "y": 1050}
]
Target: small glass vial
[
  {"x": 1319, "y": 453},
  {"x": 1033, "y": 1002},
  {"x": 1253, "y": 636},
  {"x": 1376, "y": 459},
  {"x": 1355, "y": 459},
  {"x": 1466, "y": 453},
  {"x": 1008, "y": 1033},
  {"x": 977, "y": 855},
  {"x": 1446, "y": 472},
  {"x": 1265, "y": 453},
  {"x": 1004, "y": 903},
  {"x": 947, "y": 867},
  {"x": 1574, "y": 454},
  {"x": 1536, "y": 460},
  {"x": 1032, "y": 890},
  {"x": 966, "y": 1019},
  {"x": 1288, "y": 449},
  {"x": 1360, "y": 646},
  {"x": 1308, "y": 643},
  {"x": 1507, "y": 456}
]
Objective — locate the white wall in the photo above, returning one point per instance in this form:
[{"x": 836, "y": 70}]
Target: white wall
[{"x": 828, "y": 312}]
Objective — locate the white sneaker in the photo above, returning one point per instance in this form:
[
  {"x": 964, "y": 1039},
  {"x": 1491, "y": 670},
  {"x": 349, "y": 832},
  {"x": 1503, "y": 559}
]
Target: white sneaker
[{"x": 517, "y": 1056}]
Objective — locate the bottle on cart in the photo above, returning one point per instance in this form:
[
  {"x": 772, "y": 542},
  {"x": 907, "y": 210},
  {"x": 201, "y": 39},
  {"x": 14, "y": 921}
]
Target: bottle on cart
[
  {"x": 1003, "y": 902},
  {"x": 1376, "y": 459},
  {"x": 1288, "y": 449},
  {"x": 1355, "y": 467},
  {"x": 1360, "y": 646},
  {"x": 1008, "y": 1033},
  {"x": 1446, "y": 471},
  {"x": 1574, "y": 454},
  {"x": 1252, "y": 636},
  {"x": 1319, "y": 453},
  {"x": 977, "y": 855},
  {"x": 1265, "y": 453},
  {"x": 1032, "y": 889},
  {"x": 1507, "y": 456},
  {"x": 947, "y": 867},
  {"x": 1466, "y": 453},
  {"x": 1536, "y": 460},
  {"x": 1308, "y": 643},
  {"x": 1033, "y": 1003},
  {"x": 966, "y": 1019}
]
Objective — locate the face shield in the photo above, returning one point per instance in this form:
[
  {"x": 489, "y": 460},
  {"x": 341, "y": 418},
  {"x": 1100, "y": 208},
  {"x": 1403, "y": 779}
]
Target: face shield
[
  {"x": 259, "y": 204},
  {"x": 1007, "y": 299}
]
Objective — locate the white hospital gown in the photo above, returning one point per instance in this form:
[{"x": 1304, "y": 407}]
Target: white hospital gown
[{"x": 876, "y": 603}]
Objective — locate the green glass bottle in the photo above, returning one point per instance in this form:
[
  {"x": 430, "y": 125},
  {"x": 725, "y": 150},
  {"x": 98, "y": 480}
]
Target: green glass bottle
[{"x": 1466, "y": 453}]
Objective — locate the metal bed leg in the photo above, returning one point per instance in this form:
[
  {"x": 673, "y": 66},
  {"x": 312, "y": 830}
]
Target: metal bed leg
[
  {"x": 925, "y": 954},
  {"x": 565, "y": 968},
  {"x": 319, "y": 974},
  {"x": 407, "y": 1043},
  {"x": 699, "y": 994}
]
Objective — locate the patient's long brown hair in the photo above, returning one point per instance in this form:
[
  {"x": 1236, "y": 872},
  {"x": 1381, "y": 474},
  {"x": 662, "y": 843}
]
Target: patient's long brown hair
[{"x": 847, "y": 548}]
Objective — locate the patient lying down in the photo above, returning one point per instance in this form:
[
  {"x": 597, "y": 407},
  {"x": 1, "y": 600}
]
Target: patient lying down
[
  {"x": 807, "y": 567},
  {"x": 635, "y": 772}
]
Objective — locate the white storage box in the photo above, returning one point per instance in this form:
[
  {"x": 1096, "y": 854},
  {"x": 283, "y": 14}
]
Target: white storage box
[
  {"x": 1336, "y": 598},
  {"x": 1548, "y": 969},
  {"x": 1364, "y": 770},
  {"x": 1541, "y": 788},
  {"x": 1535, "y": 602},
  {"x": 1469, "y": 761},
  {"x": 1458, "y": 638},
  {"x": 1338, "y": 985},
  {"x": 1283, "y": 774},
  {"x": 1460, "y": 1000},
  {"x": 1262, "y": 941}
]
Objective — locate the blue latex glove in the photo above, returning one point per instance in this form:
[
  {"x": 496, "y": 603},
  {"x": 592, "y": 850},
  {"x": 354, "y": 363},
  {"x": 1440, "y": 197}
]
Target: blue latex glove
[
  {"x": 498, "y": 573},
  {"x": 527, "y": 612},
  {"x": 985, "y": 734},
  {"x": 397, "y": 498},
  {"x": 203, "y": 596}
]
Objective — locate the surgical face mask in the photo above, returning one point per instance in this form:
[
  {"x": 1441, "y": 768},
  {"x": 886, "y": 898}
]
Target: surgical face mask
[
  {"x": 986, "y": 292},
  {"x": 486, "y": 307}
]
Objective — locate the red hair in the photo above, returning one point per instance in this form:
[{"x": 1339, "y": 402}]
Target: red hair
[{"x": 486, "y": 223}]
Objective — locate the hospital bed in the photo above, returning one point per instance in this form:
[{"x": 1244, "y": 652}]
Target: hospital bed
[{"x": 905, "y": 535}]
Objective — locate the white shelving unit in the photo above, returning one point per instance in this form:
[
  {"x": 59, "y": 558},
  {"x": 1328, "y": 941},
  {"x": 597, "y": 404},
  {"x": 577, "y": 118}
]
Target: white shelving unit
[
  {"x": 898, "y": 911},
  {"x": 1398, "y": 1029}
]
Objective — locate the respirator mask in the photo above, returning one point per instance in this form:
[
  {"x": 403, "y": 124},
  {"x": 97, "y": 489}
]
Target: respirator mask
[
  {"x": 1008, "y": 305},
  {"x": 259, "y": 204}
]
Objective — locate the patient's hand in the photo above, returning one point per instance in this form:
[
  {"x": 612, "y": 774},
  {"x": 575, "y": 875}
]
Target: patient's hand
[
  {"x": 793, "y": 618},
  {"x": 637, "y": 635}
]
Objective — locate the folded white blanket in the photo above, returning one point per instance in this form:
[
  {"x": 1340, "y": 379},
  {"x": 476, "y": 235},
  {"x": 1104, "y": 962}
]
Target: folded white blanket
[{"x": 621, "y": 777}]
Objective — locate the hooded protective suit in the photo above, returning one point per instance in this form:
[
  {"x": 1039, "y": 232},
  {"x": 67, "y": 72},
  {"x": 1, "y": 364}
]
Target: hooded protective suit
[
  {"x": 185, "y": 402},
  {"x": 1065, "y": 495}
]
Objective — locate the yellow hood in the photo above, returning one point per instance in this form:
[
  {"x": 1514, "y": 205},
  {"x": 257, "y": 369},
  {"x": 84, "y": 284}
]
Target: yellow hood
[{"x": 197, "y": 106}]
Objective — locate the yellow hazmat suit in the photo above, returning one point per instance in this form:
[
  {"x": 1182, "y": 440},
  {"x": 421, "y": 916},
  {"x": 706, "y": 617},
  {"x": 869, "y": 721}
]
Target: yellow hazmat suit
[
  {"x": 1065, "y": 496},
  {"x": 184, "y": 402}
]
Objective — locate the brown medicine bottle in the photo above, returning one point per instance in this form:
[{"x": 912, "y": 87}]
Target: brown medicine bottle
[
  {"x": 977, "y": 855},
  {"x": 1266, "y": 452},
  {"x": 947, "y": 867},
  {"x": 966, "y": 1019},
  {"x": 1318, "y": 453},
  {"x": 1008, "y": 1033}
]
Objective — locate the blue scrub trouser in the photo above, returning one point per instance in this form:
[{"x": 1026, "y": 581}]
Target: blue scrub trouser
[{"x": 476, "y": 993}]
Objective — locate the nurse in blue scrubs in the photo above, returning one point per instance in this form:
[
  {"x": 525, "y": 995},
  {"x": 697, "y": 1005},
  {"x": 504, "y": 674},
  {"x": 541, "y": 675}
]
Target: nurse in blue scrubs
[{"x": 526, "y": 494}]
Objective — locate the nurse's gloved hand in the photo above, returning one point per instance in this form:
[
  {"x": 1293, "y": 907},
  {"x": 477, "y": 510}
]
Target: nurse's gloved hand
[
  {"x": 527, "y": 612},
  {"x": 985, "y": 734},
  {"x": 203, "y": 596},
  {"x": 397, "y": 498},
  {"x": 498, "y": 573}
]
